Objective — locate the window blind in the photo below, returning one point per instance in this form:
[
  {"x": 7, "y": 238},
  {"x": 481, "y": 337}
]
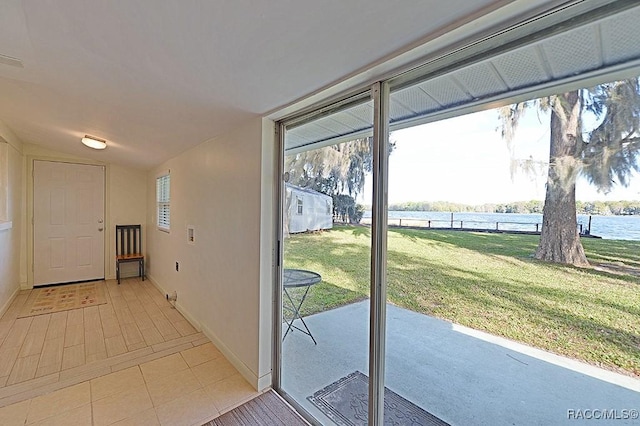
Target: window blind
[
  {"x": 163, "y": 196},
  {"x": 4, "y": 181}
]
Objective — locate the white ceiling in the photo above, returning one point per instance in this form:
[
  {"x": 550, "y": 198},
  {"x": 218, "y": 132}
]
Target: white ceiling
[{"x": 157, "y": 77}]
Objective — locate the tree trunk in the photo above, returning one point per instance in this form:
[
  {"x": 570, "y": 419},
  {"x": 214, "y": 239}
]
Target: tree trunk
[{"x": 559, "y": 239}]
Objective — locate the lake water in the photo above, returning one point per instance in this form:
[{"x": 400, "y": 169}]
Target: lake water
[{"x": 610, "y": 227}]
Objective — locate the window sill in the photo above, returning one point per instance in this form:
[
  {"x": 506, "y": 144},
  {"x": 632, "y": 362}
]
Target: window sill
[
  {"x": 163, "y": 230},
  {"x": 5, "y": 225}
]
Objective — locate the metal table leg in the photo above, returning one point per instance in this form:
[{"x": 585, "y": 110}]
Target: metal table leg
[{"x": 295, "y": 310}]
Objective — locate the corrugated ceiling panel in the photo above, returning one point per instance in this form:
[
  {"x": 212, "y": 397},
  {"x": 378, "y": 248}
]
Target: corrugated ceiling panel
[
  {"x": 335, "y": 125},
  {"x": 575, "y": 51},
  {"x": 397, "y": 110},
  {"x": 300, "y": 133},
  {"x": 445, "y": 91},
  {"x": 415, "y": 100},
  {"x": 621, "y": 36},
  {"x": 481, "y": 80},
  {"x": 294, "y": 139},
  {"x": 313, "y": 131},
  {"x": 350, "y": 121},
  {"x": 520, "y": 68},
  {"x": 359, "y": 116}
]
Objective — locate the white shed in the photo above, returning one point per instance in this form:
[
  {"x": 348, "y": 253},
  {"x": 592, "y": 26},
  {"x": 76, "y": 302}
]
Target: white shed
[{"x": 307, "y": 210}]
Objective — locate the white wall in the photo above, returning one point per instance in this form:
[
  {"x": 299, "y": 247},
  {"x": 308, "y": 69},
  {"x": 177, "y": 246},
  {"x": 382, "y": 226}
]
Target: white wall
[
  {"x": 222, "y": 285},
  {"x": 127, "y": 205},
  {"x": 10, "y": 238}
]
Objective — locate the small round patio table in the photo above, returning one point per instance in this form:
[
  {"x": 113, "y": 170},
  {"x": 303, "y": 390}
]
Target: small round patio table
[{"x": 297, "y": 278}]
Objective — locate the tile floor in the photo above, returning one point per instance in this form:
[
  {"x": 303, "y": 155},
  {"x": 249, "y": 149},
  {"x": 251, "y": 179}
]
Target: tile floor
[{"x": 132, "y": 361}]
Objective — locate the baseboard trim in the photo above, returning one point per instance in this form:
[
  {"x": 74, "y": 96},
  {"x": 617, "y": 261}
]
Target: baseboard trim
[
  {"x": 194, "y": 322},
  {"x": 265, "y": 382},
  {"x": 5, "y": 307},
  {"x": 245, "y": 371},
  {"x": 188, "y": 317},
  {"x": 258, "y": 383}
]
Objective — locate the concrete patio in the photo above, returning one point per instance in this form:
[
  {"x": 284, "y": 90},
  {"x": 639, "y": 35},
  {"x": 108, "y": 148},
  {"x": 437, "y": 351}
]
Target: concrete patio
[{"x": 460, "y": 375}]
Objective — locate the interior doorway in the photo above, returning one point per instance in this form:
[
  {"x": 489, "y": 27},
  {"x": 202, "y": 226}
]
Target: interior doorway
[{"x": 68, "y": 222}]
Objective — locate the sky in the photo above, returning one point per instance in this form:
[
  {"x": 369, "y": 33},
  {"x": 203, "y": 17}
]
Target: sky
[{"x": 465, "y": 160}]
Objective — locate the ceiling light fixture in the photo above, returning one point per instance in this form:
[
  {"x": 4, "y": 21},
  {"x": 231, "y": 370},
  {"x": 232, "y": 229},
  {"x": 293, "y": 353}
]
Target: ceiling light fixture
[{"x": 94, "y": 143}]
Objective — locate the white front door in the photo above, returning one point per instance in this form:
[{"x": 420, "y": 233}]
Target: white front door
[{"x": 68, "y": 222}]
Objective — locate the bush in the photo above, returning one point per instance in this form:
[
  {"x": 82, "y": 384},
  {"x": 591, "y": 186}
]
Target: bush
[{"x": 355, "y": 213}]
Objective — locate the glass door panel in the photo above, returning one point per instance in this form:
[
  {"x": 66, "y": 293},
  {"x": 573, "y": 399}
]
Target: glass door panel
[
  {"x": 494, "y": 314},
  {"x": 326, "y": 264}
]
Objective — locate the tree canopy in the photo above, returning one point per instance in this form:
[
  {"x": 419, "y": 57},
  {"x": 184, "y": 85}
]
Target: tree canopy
[
  {"x": 332, "y": 170},
  {"x": 338, "y": 170},
  {"x": 620, "y": 207}
]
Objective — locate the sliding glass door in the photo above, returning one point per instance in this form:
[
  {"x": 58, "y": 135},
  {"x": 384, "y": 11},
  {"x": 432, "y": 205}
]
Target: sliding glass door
[
  {"x": 481, "y": 313},
  {"x": 326, "y": 262},
  {"x": 498, "y": 308},
  {"x": 439, "y": 262}
]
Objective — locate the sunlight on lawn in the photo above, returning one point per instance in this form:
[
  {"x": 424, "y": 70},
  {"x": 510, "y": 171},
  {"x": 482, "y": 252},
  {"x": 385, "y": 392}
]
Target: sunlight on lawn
[{"x": 488, "y": 282}]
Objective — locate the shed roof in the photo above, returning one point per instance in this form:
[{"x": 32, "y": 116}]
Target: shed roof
[{"x": 306, "y": 190}]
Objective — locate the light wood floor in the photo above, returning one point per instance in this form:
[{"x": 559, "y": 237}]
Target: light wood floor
[{"x": 133, "y": 359}]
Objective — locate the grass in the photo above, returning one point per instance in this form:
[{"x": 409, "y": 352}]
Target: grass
[{"x": 491, "y": 283}]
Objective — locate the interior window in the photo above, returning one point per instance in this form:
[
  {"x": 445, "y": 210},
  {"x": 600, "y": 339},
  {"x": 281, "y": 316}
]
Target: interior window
[
  {"x": 4, "y": 181},
  {"x": 163, "y": 197}
]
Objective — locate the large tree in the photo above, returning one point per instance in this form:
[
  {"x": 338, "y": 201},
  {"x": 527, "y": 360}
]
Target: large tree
[{"x": 594, "y": 132}]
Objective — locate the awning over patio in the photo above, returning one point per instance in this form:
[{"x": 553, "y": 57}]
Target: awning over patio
[{"x": 529, "y": 61}]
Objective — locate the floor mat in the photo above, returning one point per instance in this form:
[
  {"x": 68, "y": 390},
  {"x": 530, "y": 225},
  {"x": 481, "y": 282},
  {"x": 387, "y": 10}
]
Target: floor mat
[
  {"x": 59, "y": 298},
  {"x": 346, "y": 403},
  {"x": 267, "y": 409}
]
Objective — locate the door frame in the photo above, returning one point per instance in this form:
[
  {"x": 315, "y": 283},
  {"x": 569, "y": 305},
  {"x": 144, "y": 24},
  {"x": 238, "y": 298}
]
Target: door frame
[
  {"x": 556, "y": 18},
  {"x": 28, "y": 283}
]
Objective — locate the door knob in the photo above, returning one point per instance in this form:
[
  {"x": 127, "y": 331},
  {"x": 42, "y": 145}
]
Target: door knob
[
  {"x": 100, "y": 221},
  {"x": 100, "y": 229}
]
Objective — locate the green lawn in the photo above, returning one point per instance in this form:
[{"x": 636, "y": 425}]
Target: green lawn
[{"x": 491, "y": 283}]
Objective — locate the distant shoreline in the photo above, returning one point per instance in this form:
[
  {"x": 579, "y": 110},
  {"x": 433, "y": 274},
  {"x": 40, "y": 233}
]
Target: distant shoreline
[
  {"x": 602, "y": 208},
  {"x": 618, "y": 227}
]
